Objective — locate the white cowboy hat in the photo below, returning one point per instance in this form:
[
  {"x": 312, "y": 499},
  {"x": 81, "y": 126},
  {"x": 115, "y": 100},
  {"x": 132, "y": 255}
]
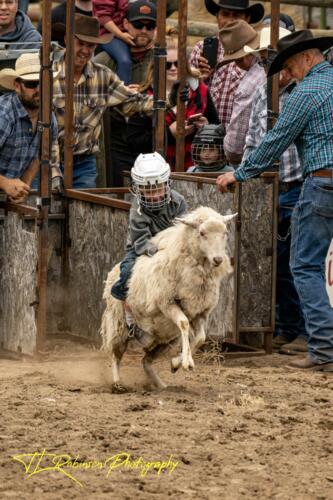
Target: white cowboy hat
[
  {"x": 27, "y": 67},
  {"x": 265, "y": 40}
]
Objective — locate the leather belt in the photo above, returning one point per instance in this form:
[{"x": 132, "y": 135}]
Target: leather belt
[
  {"x": 284, "y": 187},
  {"x": 325, "y": 172}
]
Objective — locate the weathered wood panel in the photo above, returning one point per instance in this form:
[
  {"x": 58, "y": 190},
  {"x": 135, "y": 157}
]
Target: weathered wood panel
[
  {"x": 18, "y": 264},
  {"x": 206, "y": 194},
  {"x": 98, "y": 236}
]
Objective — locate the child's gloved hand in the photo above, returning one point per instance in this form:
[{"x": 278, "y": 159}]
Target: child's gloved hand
[{"x": 151, "y": 251}]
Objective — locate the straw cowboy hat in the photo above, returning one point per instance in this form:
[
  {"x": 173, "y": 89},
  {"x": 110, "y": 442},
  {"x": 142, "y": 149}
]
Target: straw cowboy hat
[
  {"x": 294, "y": 44},
  {"x": 234, "y": 36},
  {"x": 255, "y": 11},
  {"x": 27, "y": 67},
  {"x": 86, "y": 29},
  {"x": 265, "y": 40}
]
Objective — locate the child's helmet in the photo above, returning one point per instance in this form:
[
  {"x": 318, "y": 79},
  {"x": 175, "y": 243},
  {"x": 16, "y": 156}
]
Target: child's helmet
[
  {"x": 151, "y": 181},
  {"x": 209, "y": 138}
]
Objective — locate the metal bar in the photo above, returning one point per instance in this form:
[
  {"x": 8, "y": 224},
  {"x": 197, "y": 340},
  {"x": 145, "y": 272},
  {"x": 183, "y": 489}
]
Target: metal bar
[
  {"x": 268, "y": 338},
  {"x": 76, "y": 194},
  {"x": 254, "y": 329},
  {"x": 110, "y": 190},
  {"x": 45, "y": 179},
  {"x": 160, "y": 80},
  {"x": 237, "y": 263},
  {"x": 323, "y": 18},
  {"x": 309, "y": 3},
  {"x": 69, "y": 95},
  {"x": 182, "y": 74}
]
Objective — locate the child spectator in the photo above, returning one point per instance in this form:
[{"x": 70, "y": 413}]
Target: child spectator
[
  {"x": 207, "y": 150},
  {"x": 111, "y": 14}
]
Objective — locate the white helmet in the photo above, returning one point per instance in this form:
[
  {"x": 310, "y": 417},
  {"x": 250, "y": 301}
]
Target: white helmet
[{"x": 151, "y": 180}]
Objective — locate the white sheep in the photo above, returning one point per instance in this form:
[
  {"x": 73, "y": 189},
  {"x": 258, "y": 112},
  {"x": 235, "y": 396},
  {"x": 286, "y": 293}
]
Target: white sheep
[{"x": 172, "y": 293}]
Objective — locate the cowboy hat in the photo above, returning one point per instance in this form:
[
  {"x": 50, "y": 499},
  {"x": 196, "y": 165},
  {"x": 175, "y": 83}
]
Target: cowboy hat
[
  {"x": 86, "y": 29},
  {"x": 295, "y": 43},
  {"x": 265, "y": 40},
  {"x": 27, "y": 67},
  {"x": 255, "y": 11},
  {"x": 234, "y": 36}
]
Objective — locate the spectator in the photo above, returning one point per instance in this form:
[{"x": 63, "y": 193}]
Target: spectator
[
  {"x": 19, "y": 138},
  {"x": 234, "y": 37},
  {"x": 111, "y": 15},
  {"x": 223, "y": 81},
  {"x": 58, "y": 18},
  {"x": 96, "y": 88},
  {"x": 306, "y": 120},
  {"x": 207, "y": 150},
  {"x": 289, "y": 323},
  {"x": 16, "y": 28},
  {"x": 132, "y": 136},
  {"x": 140, "y": 25},
  {"x": 199, "y": 102}
]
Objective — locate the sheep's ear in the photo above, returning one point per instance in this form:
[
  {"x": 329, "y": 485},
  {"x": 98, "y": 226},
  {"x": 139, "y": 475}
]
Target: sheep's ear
[
  {"x": 227, "y": 218},
  {"x": 188, "y": 221}
]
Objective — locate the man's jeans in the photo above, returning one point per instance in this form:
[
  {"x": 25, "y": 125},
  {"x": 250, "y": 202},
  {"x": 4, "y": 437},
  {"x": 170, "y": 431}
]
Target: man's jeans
[
  {"x": 289, "y": 316},
  {"x": 312, "y": 232},
  {"x": 84, "y": 171},
  {"x": 119, "y": 289}
]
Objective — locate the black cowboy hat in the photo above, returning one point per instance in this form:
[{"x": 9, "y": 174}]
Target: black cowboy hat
[
  {"x": 255, "y": 11},
  {"x": 294, "y": 43}
]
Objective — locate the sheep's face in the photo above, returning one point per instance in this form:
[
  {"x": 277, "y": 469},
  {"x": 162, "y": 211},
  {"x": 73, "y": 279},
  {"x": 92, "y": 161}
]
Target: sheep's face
[{"x": 212, "y": 241}]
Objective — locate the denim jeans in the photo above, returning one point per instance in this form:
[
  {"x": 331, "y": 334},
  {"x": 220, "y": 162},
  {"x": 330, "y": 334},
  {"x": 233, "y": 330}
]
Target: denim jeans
[
  {"x": 312, "y": 232},
  {"x": 119, "y": 289},
  {"x": 120, "y": 52},
  {"x": 84, "y": 171},
  {"x": 289, "y": 316}
]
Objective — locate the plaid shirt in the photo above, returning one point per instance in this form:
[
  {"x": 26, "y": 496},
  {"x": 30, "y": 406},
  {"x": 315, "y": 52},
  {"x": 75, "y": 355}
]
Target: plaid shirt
[
  {"x": 290, "y": 168},
  {"x": 234, "y": 140},
  {"x": 19, "y": 146},
  {"x": 306, "y": 120},
  {"x": 97, "y": 89},
  {"x": 222, "y": 84}
]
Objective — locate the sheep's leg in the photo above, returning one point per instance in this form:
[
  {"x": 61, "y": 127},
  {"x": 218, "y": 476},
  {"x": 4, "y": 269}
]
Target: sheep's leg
[
  {"x": 175, "y": 314},
  {"x": 197, "y": 340},
  {"x": 147, "y": 361}
]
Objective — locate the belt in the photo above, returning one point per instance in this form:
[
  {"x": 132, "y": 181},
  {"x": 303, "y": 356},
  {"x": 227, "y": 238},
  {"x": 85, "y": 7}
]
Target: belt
[
  {"x": 284, "y": 187},
  {"x": 324, "y": 172}
]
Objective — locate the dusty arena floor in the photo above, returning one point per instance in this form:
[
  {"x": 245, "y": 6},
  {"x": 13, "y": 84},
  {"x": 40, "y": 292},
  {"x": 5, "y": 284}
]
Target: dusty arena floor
[{"x": 243, "y": 429}]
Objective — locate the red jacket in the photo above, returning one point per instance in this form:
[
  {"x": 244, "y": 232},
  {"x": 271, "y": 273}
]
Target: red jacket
[
  {"x": 196, "y": 104},
  {"x": 110, "y": 10}
]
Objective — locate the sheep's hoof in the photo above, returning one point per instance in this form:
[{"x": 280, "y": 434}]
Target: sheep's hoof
[
  {"x": 175, "y": 364},
  {"x": 118, "y": 388},
  {"x": 189, "y": 365}
]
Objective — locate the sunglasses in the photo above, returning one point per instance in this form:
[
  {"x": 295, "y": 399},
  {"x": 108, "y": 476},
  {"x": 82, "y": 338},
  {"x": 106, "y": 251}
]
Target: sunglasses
[
  {"x": 29, "y": 84},
  {"x": 169, "y": 64},
  {"x": 139, "y": 25}
]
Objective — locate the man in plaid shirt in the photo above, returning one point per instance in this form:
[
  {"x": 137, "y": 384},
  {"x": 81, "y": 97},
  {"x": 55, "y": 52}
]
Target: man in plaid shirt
[
  {"x": 305, "y": 120},
  {"x": 95, "y": 88},
  {"x": 224, "y": 80}
]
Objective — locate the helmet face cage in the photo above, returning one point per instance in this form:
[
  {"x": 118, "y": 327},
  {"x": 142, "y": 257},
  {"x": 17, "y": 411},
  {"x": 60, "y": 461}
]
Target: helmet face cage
[
  {"x": 208, "y": 154},
  {"x": 152, "y": 196}
]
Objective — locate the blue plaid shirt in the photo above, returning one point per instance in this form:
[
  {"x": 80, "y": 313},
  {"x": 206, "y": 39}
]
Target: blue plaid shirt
[
  {"x": 306, "y": 120},
  {"x": 19, "y": 146}
]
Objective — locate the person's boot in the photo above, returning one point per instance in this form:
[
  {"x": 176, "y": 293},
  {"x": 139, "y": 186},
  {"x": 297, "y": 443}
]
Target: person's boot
[
  {"x": 298, "y": 345},
  {"x": 145, "y": 339},
  {"x": 279, "y": 341},
  {"x": 307, "y": 364}
]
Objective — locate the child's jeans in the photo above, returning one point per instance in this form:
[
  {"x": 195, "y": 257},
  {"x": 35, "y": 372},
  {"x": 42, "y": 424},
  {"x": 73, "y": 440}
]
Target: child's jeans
[
  {"x": 120, "y": 52},
  {"x": 119, "y": 289}
]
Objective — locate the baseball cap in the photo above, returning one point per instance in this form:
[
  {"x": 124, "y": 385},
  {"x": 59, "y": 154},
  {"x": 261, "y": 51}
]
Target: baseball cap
[{"x": 142, "y": 9}]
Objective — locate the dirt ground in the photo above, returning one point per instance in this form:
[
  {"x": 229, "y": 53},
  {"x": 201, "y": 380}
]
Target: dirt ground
[{"x": 234, "y": 429}]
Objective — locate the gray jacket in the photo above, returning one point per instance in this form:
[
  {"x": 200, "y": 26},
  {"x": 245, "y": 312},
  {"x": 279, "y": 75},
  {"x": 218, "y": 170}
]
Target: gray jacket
[
  {"x": 24, "y": 32},
  {"x": 144, "y": 226}
]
